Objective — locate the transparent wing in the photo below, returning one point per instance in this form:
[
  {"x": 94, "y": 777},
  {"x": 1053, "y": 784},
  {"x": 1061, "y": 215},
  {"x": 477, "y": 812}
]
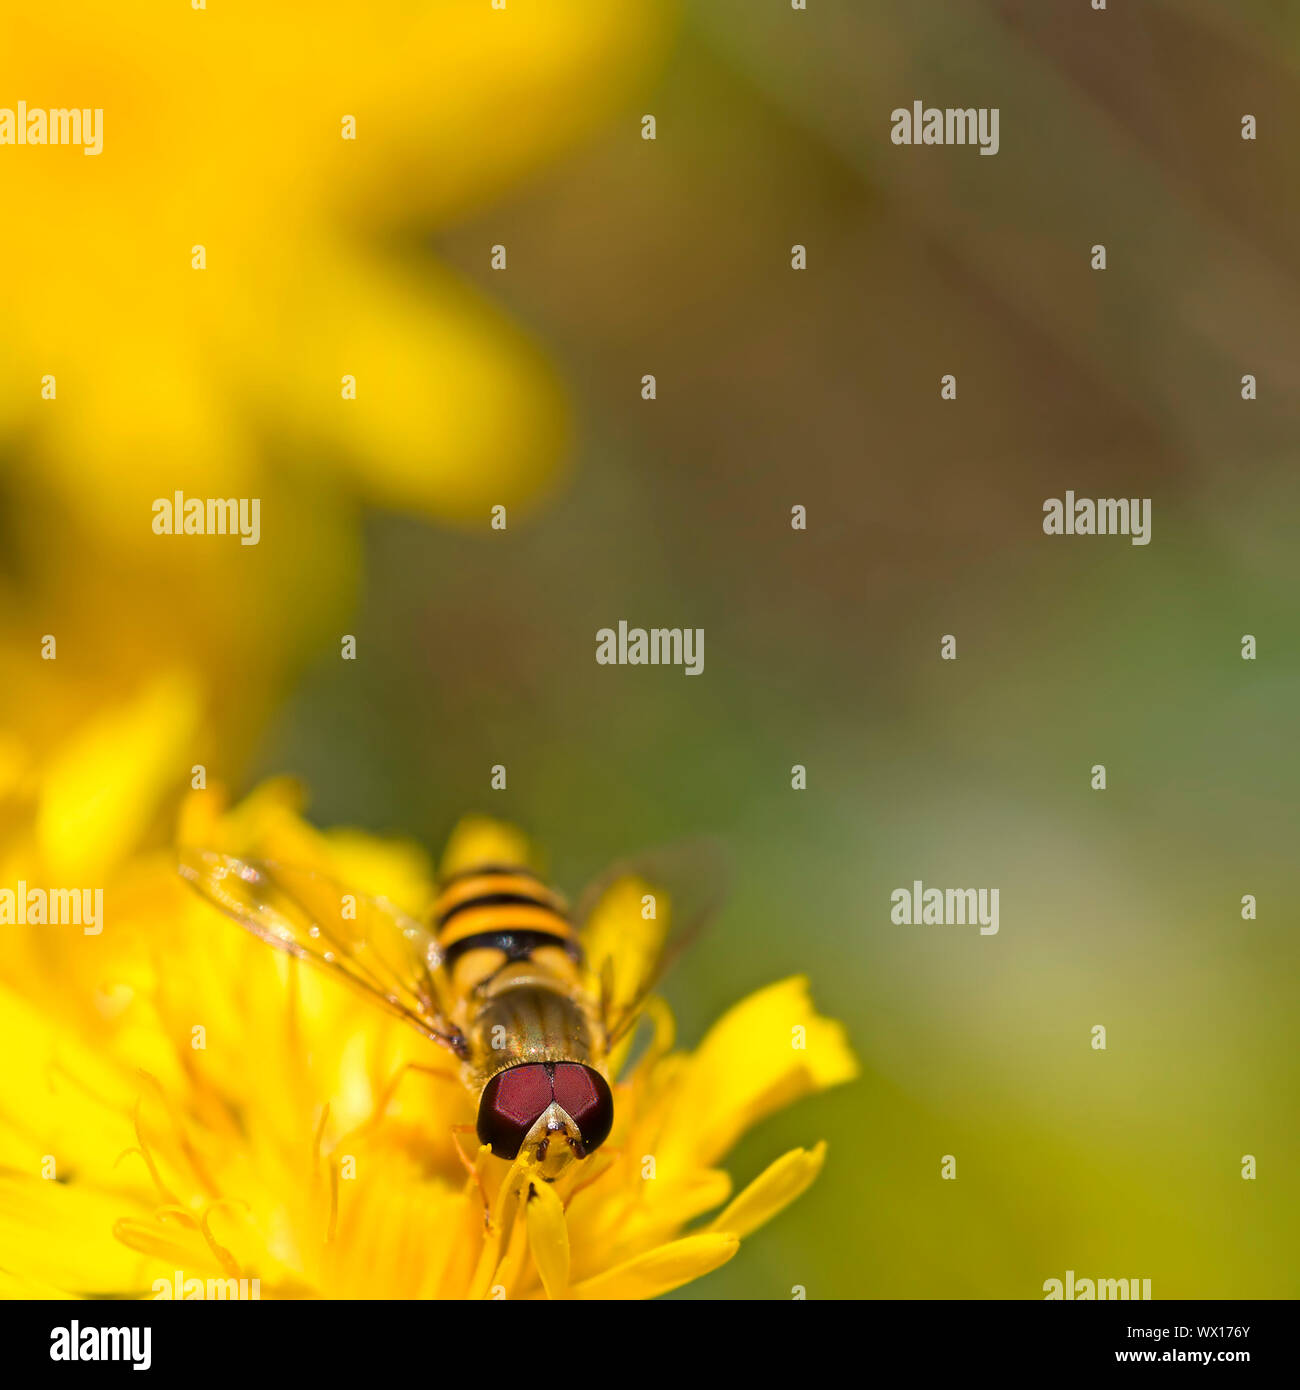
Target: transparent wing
[
  {"x": 638, "y": 918},
  {"x": 368, "y": 941}
]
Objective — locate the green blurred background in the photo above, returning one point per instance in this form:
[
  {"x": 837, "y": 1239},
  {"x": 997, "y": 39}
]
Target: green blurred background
[{"x": 924, "y": 518}]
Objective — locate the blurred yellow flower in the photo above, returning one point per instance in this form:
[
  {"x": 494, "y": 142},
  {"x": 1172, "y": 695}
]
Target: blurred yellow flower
[
  {"x": 128, "y": 374},
  {"x": 226, "y": 130},
  {"x": 223, "y": 1113}
]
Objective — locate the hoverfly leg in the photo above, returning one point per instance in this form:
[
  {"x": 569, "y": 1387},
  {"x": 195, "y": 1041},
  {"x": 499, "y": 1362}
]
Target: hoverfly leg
[
  {"x": 385, "y": 1096},
  {"x": 471, "y": 1167},
  {"x": 440, "y": 1072},
  {"x": 384, "y": 1099}
]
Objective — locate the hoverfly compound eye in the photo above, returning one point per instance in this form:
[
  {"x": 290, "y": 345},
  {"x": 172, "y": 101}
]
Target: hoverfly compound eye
[
  {"x": 584, "y": 1096},
  {"x": 515, "y": 1099},
  {"x": 511, "y": 1105}
]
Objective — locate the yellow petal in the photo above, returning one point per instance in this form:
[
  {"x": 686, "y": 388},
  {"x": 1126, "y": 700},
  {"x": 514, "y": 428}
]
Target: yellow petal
[
  {"x": 62, "y": 1234},
  {"x": 62, "y": 1100},
  {"x": 606, "y": 1228},
  {"x": 456, "y": 409},
  {"x": 659, "y": 1270},
  {"x": 394, "y": 1232},
  {"x": 479, "y": 840},
  {"x": 395, "y": 869},
  {"x": 548, "y": 1237},
  {"x": 774, "y": 1189},
  {"x": 14, "y": 764},
  {"x": 177, "y": 1246},
  {"x": 571, "y": 62},
  {"x": 621, "y": 946},
  {"x": 19, "y": 1286},
  {"x": 107, "y": 785},
  {"x": 199, "y": 816},
  {"x": 768, "y": 1051},
  {"x": 206, "y": 821}
]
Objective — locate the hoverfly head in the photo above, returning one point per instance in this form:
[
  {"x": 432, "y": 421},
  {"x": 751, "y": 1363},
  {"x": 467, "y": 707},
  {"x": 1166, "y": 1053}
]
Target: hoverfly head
[{"x": 552, "y": 1112}]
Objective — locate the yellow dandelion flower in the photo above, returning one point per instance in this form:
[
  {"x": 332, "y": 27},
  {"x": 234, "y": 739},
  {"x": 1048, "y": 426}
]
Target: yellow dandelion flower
[
  {"x": 244, "y": 237},
  {"x": 191, "y": 299},
  {"x": 219, "y": 1113}
]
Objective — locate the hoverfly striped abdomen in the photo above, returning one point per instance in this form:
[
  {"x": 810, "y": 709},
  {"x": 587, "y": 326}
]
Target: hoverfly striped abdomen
[{"x": 493, "y": 917}]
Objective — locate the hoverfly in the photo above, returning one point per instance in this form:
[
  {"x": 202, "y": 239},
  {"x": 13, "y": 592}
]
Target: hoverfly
[{"x": 498, "y": 976}]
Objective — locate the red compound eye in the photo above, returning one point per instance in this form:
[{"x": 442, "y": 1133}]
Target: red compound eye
[
  {"x": 585, "y": 1097},
  {"x": 511, "y": 1104}
]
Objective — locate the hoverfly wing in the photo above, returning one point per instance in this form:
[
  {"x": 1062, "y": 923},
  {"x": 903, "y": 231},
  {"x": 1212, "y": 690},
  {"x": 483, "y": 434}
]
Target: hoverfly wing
[
  {"x": 683, "y": 885},
  {"x": 368, "y": 941}
]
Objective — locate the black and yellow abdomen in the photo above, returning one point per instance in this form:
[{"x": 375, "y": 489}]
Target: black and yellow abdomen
[{"x": 491, "y": 916}]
